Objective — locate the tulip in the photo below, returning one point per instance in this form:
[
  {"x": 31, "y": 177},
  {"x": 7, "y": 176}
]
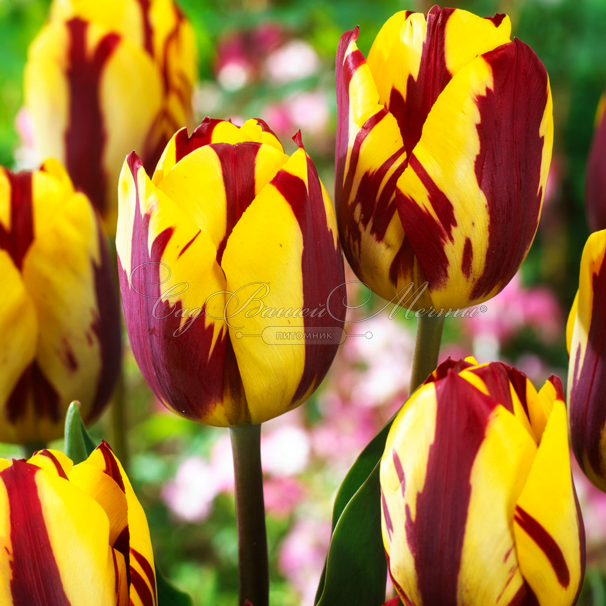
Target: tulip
[
  {"x": 59, "y": 314},
  {"x": 103, "y": 78},
  {"x": 478, "y": 503},
  {"x": 231, "y": 274},
  {"x": 444, "y": 140},
  {"x": 587, "y": 370},
  {"x": 73, "y": 534},
  {"x": 596, "y": 173}
]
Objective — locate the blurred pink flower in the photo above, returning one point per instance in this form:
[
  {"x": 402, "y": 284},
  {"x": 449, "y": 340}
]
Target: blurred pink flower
[
  {"x": 305, "y": 110},
  {"x": 285, "y": 450},
  {"x": 294, "y": 60},
  {"x": 282, "y": 495},
  {"x": 302, "y": 555},
  {"x": 278, "y": 115},
  {"x": 191, "y": 494},
  {"x": 593, "y": 506}
]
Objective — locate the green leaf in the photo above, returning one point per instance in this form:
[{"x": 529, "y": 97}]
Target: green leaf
[
  {"x": 168, "y": 594},
  {"x": 356, "y": 570},
  {"x": 78, "y": 444}
]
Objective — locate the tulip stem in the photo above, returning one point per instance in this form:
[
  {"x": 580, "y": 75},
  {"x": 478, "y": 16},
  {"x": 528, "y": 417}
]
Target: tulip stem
[
  {"x": 427, "y": 349},
  {"x": 250, "y": 514}
]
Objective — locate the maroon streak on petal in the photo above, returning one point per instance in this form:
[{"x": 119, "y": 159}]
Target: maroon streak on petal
[
  {"x": 202, "y": 135},
  {"x": 36, "y": 580},
  {"x": 111, "y": 467},
  {"x": 17, "y": 239},
  {"x": 496, "y": 377},
  {"x": 449, "y": 364},
  {"x": 106, "y": 327},
  {"x": 497, "y": 19},
  {"x": 322, "y": 270},
  {"x": 386, "y": 516},
  {"x": 400, "y": 471},
  {"x": 546, "y": 544},
  {"x": 422, "y": 93},
  {"x": 595, "y": 183},
  {"x": 148, "y": 34},
  {"x": 427, "y": 235},
  {"x": 142, "y": 589},
  {"x": 467, "y": 261},
  {"x": 53, "y": 458},
  {"x": 587, "y": 412},
  {"x": 180, "y": 370},
  {"x": 147, "y": 568},
  {"x": 238, "y": 167},
  {"x": 122, "y": 546},
  {"x": 508, "y": 165},
  {"x": 85, "y": 136},
  {"x": 189, "y": 243},
  {"x": 437, "y": 533},
  {"x": 525, "y": 596}
]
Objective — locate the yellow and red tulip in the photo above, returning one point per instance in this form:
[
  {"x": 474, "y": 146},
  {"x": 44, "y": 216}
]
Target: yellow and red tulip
[
  {"x": 59, "y": 313},
  {"x": 478, "y": 503},
  {"x": 586, "y": 334},
  {"x": 227, "y": 211},
  {"x": 444, "y": 141},
  {"x": 103, "y": 78},
  {"x": 596, "y": 172},
  {"x": 73, "y": 535}
]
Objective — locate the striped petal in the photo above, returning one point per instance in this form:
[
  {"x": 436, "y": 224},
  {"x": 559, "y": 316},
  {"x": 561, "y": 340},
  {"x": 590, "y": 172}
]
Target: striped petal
[
  {"x": 549, "y": 532},
  {"x": 595, "y": 184},
  {"x": 68, "y": 307},
  {"x": 470, "y": 203},
  {"x": 587, "y": 371},
  {"x": 38, "y": 510},
  {"x": 83, "y": 89},
  {"x": 370, "y": 158},
  {"x": 168, "y": 272},
  {"x": 415, "y": 56},
  {"x": 284, "y": 237}
]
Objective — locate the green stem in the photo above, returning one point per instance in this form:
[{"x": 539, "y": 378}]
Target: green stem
[
  {"x": 427, "y": 349},
  {"x": 250, "y": 514},
  {"x": 30, "y": 448}
]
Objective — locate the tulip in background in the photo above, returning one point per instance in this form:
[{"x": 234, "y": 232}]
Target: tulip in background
[
  {"x": 444, "y": 141},
  {"x": 586, "y": 333},
  {"x": 103, "y": 78},
  {"x": 73, "y": 534},
  {"x": 478, "y": 504},
  {"x": 596, "y": 172},
  {"x": 232, "y": 283},
  {"x": 227, "y": 211},
  {"x": 59, "y": 314}
]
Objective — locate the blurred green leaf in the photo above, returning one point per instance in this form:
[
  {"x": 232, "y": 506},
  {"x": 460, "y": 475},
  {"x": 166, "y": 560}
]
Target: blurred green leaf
[
  {"x": 78, "y": 444},
  {"x": 168, "y": 594}
]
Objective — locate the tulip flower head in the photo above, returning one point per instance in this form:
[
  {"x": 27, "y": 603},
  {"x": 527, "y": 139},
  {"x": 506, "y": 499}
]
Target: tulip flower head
[
  {"x": 59, "y": 314},
  {"x": 587, "y": 370},
  {"x": 231, "y": 274},
  {"x": 444, "y": 141},
  {"x": 103, "y": 78},
  {"x": 478, "y": 504},
  {"x": 596, "y": 172},
  {"x": 73, "y": 534}
]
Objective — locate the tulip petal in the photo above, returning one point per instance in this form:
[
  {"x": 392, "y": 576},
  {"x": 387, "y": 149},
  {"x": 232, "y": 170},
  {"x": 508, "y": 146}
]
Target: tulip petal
[
  {"x": 285, "y": 235},
  {"x": 370, "y": 158},
  {"x": 174, "y": 317},
  {"x": 587, "y": 372},
  {"x": 40, "y": 510},
  {"x": 596, "y": 173},
  {"x": 549, "y": 531},
  {"x": 572, "y": 318},
  {"x": 415, "y": 56},
  {"x": 470, "y": 203}
]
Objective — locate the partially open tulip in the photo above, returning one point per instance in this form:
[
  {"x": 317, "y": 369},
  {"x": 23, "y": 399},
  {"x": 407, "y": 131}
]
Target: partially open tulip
[
  {"x": 59, "y": 312},
  {"x": 444, "y": 140},
  {"x": 103, "y": 78},
  {"x": 478, "y": 504},
  {"x": 231, "y": 274},
  {"x": 73, "y": 535},
  {"x": 596, "y": 172},
  {"x": 586, "y": 336}
]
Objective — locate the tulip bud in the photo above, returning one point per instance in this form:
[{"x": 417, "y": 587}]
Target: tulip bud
[
  {"x": 596, "y": 173},
  {"x": 587, "y": 369},
  {"x": 59, "y": 314},
  {"x": 478, "y": 503},
  {"x": 444, "y": 139},
  {"x": 103, "y": 78},
  {"x": 231, "y": 274},
  {"x": 73, "y": 534}
]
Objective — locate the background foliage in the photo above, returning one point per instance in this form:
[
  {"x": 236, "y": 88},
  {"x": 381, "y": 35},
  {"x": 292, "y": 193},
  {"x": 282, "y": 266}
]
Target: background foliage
[{"x": 275, "y": 60}]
